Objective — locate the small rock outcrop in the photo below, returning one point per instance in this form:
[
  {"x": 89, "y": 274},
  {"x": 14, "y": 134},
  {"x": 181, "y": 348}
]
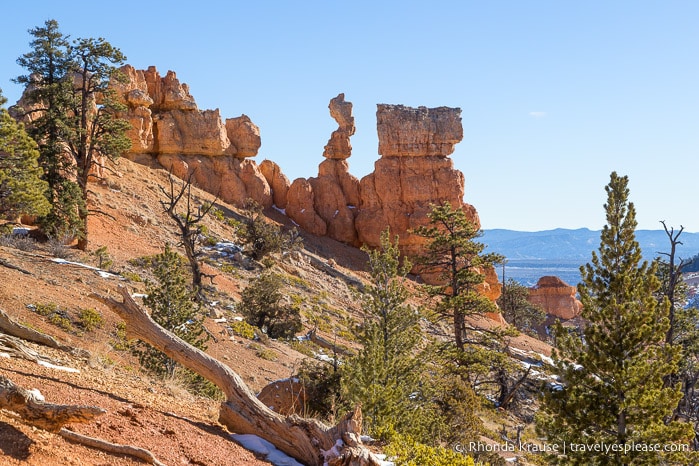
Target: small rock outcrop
[
  {"x": 556, "y": 298},
  {"x": 167, "y": 127},
  {"x": 326, "y": 205}
]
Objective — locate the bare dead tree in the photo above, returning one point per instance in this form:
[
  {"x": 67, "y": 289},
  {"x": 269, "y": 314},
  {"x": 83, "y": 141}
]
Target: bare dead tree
[
  {"x": 674, "y": 275},
  {"x": 189, "y": 225}
]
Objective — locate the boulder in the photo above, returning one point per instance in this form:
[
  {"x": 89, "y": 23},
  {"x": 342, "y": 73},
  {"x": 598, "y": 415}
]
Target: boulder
[
  {"x": 285, "y": 397},
  {"x": 556, "y": 297},
  {"x": 244, "y": 136},
  {"x": 168, "y": 93}
]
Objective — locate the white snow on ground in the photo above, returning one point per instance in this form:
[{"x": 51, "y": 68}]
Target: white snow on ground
[
  {"x": 263, "y": 447},
  {"x": 5, "y": 355},
  {"x": 58, "y": 368},
  {"x": 281, "y": 211},
  {"x": 101, "y": 272}
]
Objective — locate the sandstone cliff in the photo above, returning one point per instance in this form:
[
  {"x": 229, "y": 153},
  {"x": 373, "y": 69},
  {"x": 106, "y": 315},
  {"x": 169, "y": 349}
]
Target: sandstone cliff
[
  {"x": 168, "y": 128},
  {"x": 556, "y": 298}
]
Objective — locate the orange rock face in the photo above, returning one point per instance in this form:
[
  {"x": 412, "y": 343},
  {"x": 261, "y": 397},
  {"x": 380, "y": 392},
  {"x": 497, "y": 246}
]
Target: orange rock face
[
  {"x": 556, "y": 297},
  {"x": 167, "y": 126},
  {"x": 418, "y": 132},
  {"x": 277, "y": 181},
  {"x": 339, "y": 146},
  {"x": 328, "y": 202}
]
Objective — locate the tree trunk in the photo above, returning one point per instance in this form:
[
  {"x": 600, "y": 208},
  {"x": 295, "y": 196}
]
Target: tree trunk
[{"x": 307, "y": 440}]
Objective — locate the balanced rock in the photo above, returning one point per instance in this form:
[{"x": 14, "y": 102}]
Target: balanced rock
[
  {"x": 556, "y": 297},
  {"x": 328, "y": 202},
  {"x": 339, "y": 146},
  {"x": 418, "y": 132}
]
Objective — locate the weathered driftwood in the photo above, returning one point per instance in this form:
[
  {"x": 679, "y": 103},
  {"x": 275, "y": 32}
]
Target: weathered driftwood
[
  {"x": 110, "y": 447},
  {"x": 10, "y": 327},
  {"x": 46, "y": 416},
  {"x": 307, "y": 440}
]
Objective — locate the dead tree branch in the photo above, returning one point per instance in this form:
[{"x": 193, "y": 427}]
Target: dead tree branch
[{"x": 303, "y": 439}]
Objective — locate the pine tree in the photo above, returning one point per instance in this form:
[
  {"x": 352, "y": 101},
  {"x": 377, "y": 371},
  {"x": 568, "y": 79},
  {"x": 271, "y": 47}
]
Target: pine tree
[
  {"x": 47, "y": 111},
  {"x": 385, "y": 375},
  {"x": 516, "y": 308},
  {"x": 613, "y": 391},
  {"x": 72, "y": 115},
  {"x": 457, "y": 259},
  {"x": 21, "y": 189},
  {"x": 261, "y": 305},
  {"x": 172, "y": 305}
]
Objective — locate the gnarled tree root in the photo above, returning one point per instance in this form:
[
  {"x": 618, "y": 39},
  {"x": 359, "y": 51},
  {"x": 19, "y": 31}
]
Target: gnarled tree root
[{"x": 47, "y": 416}]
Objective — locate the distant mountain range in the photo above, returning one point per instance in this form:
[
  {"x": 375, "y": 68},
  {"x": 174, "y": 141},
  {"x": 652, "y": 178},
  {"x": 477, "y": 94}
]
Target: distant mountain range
[
  {"x": 574, "y": 245},
  {"x": 561, "y": 252}
]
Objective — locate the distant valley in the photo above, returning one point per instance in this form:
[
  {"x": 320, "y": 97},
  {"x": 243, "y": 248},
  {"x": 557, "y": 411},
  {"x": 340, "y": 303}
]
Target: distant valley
[{"x": 561, "y": 252}]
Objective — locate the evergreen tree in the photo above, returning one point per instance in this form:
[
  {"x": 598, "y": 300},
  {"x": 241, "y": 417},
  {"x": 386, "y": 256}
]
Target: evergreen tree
[
  {"x": 47, "y": 111},
  {"x": 261, "y": 305},
  {"x": 73, "y": 118},
  {"x": 173, "y": 307},
  {"x": 613, "y": 391},
  {"x": 516, "y": 308},
  {"x": 21, "y": 189},
  {"x": 458, "y": 261},
  {"x": 385, "y": 376}
]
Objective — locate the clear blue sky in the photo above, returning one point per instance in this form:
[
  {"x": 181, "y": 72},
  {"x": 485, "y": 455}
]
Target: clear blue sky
[{"x": 555, "y": 94}]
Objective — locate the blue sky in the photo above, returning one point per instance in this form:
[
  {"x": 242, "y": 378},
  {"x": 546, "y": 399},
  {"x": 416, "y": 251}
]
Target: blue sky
[{"x": 554, "y": 94}]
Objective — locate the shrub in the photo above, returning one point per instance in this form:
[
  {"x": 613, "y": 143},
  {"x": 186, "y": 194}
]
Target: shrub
[
  {"x": 103, "y": 260},
  {"x": 260, "y": 236},
  {"x": 243, "y": 329},
  {"x": 21, "y": 242},
  {"x": 90, "y": 319},
  {"x": 262, "y": 307},
  {"x": 409, "y": 452}
]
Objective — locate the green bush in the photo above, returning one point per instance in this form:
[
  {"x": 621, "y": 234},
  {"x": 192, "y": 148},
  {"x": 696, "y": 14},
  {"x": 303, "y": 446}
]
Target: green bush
[
  {"x": 90, "y": 319},
  {"x": 243, "y": 329},
  {"x": 408, "y": 452},
  {"x": 262, "y": 307}
]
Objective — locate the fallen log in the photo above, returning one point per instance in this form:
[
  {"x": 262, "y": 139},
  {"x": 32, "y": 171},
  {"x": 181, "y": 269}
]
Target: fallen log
[
  {"x": 10, "y": 327},
  {"x": 308, "y": 440},
  {"x": 110, "y": 447},
  {"x": 34, "y": 411}
]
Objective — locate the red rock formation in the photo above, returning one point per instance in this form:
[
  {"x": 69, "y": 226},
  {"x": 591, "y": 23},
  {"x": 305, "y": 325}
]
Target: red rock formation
[
  {"x": 418, "y": 132},
  {"x": 328, "y": 202},
  {"x": 556, "y": 297},
  {"x": 277, "y": 181},
  {"x": 168, "y": 127},
  {"x": 339, "y": 146}
]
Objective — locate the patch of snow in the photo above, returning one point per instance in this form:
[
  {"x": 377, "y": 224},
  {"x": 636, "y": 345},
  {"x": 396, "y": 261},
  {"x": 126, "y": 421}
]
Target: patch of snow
[
  {"x": 99, "y": 271},
  {"x": 59, "y": 368},
  {"x": 351, "y": 206},
  {"x": 335, "y": 214},
  {"x": 139, "y": 295},
  {"x": 20, "y": 231},
  {"x": 37, "y": 394},
  {"x": 295, "y": 224},
  {"x": 264, "y": 448},
  {"x": 238, "y": 319},
  {"x": 546, "y": 359},
  {"x": 221, "y": 320},
  {"x": 5, "y": 355},
  {"x": 281, "y": 211},
  {"x": 334, "y": 452},
  {"x": 303, "y": 210}
]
